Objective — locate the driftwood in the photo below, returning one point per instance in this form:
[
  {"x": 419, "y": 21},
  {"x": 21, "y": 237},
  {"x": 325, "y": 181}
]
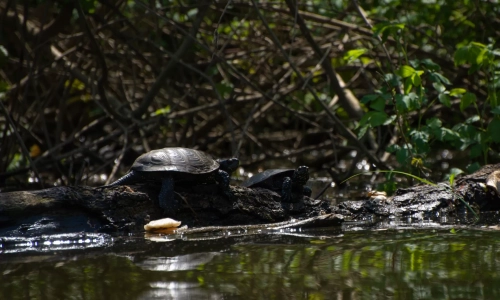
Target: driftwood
[{"x": 127, "y": 209}]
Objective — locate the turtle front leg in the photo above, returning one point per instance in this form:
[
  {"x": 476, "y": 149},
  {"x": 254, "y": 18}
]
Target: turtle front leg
[
  {"x": 286, "y": 189},
  {"x": 166, "y": 198},
  {"x": 223, "y": 179},
  {"x": 307, "y": 191}
]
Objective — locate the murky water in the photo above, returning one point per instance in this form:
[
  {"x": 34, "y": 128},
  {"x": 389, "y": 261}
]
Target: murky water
[{"x": 316, "y": 264}]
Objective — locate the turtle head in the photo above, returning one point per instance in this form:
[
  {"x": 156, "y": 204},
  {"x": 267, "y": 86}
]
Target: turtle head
[
  {"x": 301, "y": 175},
  {"x": 229, "y": 164}
]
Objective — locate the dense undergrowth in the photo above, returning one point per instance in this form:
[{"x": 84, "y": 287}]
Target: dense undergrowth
[{"x": 88, "y": 86}]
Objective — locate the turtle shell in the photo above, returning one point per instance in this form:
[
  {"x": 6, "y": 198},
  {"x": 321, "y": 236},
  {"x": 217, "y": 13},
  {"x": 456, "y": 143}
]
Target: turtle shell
[
  {"x": 272, "y": 178},
  {"x": 175, "y": 159}
]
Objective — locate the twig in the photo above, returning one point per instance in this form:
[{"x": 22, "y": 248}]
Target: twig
[{"x": 25, "y": 151}]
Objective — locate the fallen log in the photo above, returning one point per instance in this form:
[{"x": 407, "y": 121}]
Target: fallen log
[
  {"x": 470, "y": 194},
  {"x": 129, "y": 208}
]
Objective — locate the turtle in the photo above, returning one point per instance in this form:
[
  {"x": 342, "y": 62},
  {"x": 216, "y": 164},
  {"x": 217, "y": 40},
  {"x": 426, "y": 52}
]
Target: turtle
[
  {"x": 176, "y": 165},
  {"x": 283, "y": 181}
]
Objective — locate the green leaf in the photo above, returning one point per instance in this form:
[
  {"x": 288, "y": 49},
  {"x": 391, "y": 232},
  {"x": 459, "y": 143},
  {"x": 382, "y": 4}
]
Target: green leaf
[
  {"x": 354, "y": 54},
  {"x": 456, "y": 171},
  {"x": 496, "y": 110},
  {"x": 369, "y": 98},
  {"x": 408, "y": 85},
  {"x": 403, "y": 155},
  {"x": 402, "y": 103},
  {"x": 390, "y": 120},
  {"x": 443, "y": 79},
  {"x": 384, "y": 26},
  {"x": 378, "y": 104},
  {"x": 421, "y": 139},
  {"x": 362, "y": 131},
  {"x": 460, "y": 56},
  {"x": 473, "y": 167},
  {"x": 439, "y": 87},
  {"x": 494, "y": 130},
  {"x": 474, "y": 67},
  {"x": 415, "y": 79},
  {"x": 482, "y": 56},
  {"x": 364, "y": 119},
  {"x": 432, "y": 66},
  {"x": 434, "y": 123},
  {"x": 377, "y": 118},
  {"x": 457, "y": 91},
  {"x": 467, "y": 99},
  {"x": 476, "y": 151},
  {"x": 162, "y": 111},
  {"x": 473, "y": 54},
  {"x": 472, "y": 119},
  {"x": 192, "y": 12},
  {"x": 393, "y": 148},
  {"x": 405, "y": 71},
  {"x": 446, "y": 135},
  {"x": 478, "y": 45},
  {"x": 445, "y": 100}
]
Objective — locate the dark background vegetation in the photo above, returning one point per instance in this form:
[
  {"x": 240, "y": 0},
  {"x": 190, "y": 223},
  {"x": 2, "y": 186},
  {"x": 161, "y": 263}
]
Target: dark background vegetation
[{"x": 87, "y": 86}]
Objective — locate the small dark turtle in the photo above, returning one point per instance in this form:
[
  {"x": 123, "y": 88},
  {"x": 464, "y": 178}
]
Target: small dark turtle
[
  {"x": 283, "y": 181},
  {"x": 179, "y": 166}
]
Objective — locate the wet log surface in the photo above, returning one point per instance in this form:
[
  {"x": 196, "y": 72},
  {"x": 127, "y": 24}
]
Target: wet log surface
[
  {"x": 477, "y": 191},
  {"x": 128, "y": 208}
]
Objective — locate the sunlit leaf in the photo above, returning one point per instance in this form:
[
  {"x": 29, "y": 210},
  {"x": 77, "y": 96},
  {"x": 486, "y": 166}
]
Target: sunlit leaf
[
  {"x": 405, "y": 71},
  {"x": 162, "y": 111},
  {"x": 192, "y": 12},
  {"x": 457, "y": 91},
  {"x": 478, "y": 45},
  {"x": 390, "y": 119},
  {"x": 362, "y": 131},
  {"x": 415, "y": 79},
  {"x": 473, "y": 119},
  {"x": 354, "y": 54},
  {"x": 439, "y": 87},
  {"x": 434, "y": 123}
]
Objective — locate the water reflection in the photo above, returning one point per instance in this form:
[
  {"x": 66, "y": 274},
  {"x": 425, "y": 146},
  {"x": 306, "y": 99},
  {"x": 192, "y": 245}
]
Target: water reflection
[
  {"x": 317, "y": 264},
  {"x": 178, "y": 290},
  {"x": 176, "y": 263}
]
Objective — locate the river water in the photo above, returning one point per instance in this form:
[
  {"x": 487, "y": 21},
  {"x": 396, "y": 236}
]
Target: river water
[{"x": 349, "y": 262}]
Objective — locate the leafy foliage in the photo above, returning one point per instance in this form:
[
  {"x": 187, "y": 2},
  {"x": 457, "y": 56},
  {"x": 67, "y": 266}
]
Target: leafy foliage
[{"x": 262, "y": 81}]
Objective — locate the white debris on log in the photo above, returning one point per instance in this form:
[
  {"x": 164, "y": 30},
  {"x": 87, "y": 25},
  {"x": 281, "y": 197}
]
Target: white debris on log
[{"x": 162, "y": 224}]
